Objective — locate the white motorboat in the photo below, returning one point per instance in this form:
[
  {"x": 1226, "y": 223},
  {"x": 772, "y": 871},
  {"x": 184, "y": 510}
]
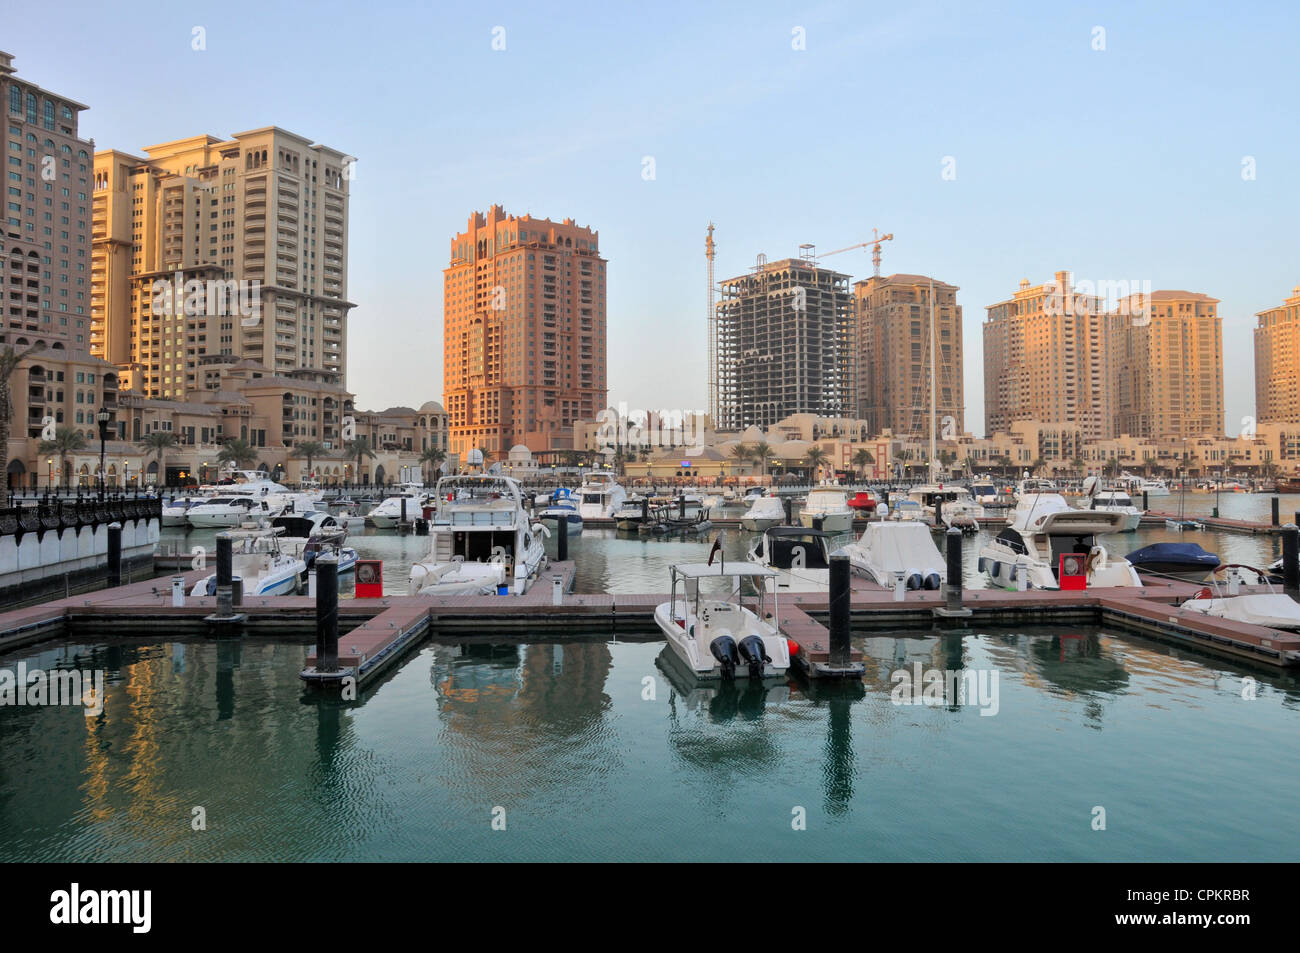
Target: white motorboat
[
  {"x": 561, "y": 506},
  {"x": 1042, "y": 529},
  {"x": 314, "y": 534},
  {"x": 1152, "y": 487},
  {"x": 175, "y": 510},
  {"x": 481, "y": 540},
  {"x": 389, "y": 512},
  {"x": 985, "y": 492},
  {"x": 1032, "y": 486},
  {"x": 1118, "y": 501},
  {"x": 715, "y": 634},
  {"x": 910, "y": 510},
  {"x": 764, "y": 512},
  {"x": 800, "y": 556},
  {"x": 948, "y": 505},
  {"x": 600, "y": 495},
  {"x": 712, "y": 503},
  {"x": 260, "y": 563},
  {"x": 1272, "y": 609},
  {"x": 827, "y": 507},
  {"x": 229, "y": 511},
  {"x": 888, "y": 550}
]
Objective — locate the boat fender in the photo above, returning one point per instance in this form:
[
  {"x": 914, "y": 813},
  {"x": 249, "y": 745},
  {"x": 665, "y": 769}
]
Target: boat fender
[
  {"x": 754, "y": 654},
  {"x": 979, "y": 564},
  {"x": 1203, "y": 593},
  {"x": 1012, "y": 576},
  {"x": 914, "y": 580},
  {"x": 723, "y": 648},
  {"x": 792, "y": 647},
  {"x": 543, "y": 529},
  {"x": 932, "y": 580}
]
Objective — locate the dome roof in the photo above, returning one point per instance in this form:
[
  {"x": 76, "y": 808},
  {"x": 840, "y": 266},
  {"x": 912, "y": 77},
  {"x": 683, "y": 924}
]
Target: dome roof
[
  {"x": 752, "y": 434},
  {"x": 792, "y": 449},
  {"x": 431, "y": 407}
]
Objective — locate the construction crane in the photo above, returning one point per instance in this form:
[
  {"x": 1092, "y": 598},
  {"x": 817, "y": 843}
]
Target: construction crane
[{"x": 876, "y": 239}]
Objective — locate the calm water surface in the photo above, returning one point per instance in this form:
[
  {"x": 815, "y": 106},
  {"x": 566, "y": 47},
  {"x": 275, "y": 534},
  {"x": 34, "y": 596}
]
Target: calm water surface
[{"x": 596, "y": 750}]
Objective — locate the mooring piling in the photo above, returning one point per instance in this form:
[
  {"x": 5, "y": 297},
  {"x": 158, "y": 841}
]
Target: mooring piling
[
  {"x": 1275, "y": 504},
  {"x": 562, "y": 542},
  {"x": 327, "y": 614},
  {"x": 225, "y": 614},
  {"x": 1291, "y": 560},
  {"x": 952, "y": 586},
  {"x": 788, "y": 503},
  {"x": 840, "y": 601},
  {"x": 114, "y": 555}
]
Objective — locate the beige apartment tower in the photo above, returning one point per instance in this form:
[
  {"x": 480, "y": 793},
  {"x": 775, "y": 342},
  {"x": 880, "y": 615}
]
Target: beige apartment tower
[
  {"x": 893, "y": 337},
  {"x": 1277, "y": 362},
  {"x": 1169, "y": 365},
  {"x": 523, "y": 332},
  {"x": 233, "y": 249},
  {"x": 1048, "y": 355}
]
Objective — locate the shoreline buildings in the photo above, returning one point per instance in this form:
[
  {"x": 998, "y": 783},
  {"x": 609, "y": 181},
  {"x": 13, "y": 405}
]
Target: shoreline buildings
[{"x": 1277, "y": 362}]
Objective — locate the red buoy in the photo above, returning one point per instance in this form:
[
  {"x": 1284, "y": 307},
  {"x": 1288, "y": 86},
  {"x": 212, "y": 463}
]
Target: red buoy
[{"x": 793, "y": 646}]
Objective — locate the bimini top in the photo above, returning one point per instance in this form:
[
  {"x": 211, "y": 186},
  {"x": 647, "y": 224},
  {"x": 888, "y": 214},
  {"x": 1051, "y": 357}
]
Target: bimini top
[
  {"x": 1189, "y": 554},
  {"x": 737, "y": 568}
]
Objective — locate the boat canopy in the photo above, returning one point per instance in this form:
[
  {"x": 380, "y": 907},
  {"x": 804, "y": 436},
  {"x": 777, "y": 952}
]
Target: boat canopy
[
  {"x": 901, "y": 545},
  {"x": 1189, "y": 554}
]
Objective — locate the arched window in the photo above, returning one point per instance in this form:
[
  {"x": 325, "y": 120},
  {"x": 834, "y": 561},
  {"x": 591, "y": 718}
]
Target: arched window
[
  {"x": 31, "y": 108},
  {"x": 15, "y": 100},
  {"x": 47, "y": 120}
]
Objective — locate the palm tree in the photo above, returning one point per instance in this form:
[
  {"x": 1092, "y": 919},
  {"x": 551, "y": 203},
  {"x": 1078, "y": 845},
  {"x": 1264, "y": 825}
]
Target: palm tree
[
  {"x": 619, "y": 459},
  {"x": 742, "y": 454},
  {"x": 237, "y": 453},
  {"x": 760, "y": 453},
  {"x": 863, "y": 459},
  {"x": 1037, "y": 465},
  {"x": 9, "y": 360},
  {"x": 310, "y": 449},
  {"x": 359, "y": 450},
  {"x": 435, "y": 457},
  {"x": 816, "y": 456},
  {"x": 157, "y": 444},
  {"x": 66, "y": 440},
  {"x": 1078, "y": 464}
]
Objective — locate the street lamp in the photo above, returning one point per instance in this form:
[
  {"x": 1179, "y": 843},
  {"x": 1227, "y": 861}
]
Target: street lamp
[
  {"x": 102, "y": 417},
  {"x": 49, "y": 472}
]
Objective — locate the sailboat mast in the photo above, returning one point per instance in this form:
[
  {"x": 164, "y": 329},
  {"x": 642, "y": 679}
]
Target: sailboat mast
[{"x": 933, "y": 467}]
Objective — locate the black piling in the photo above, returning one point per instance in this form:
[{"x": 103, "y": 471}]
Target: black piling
[
  {"x": 327, "y": 614},
  {"x": 114, "y": 555},
  {"x": 562, "y": 543},
  {"x": 952, "y": 587},
  {"x": 645, "y": 509},
  {"x": 788, "y": 503},
  {"x": 1146, "y": 502},
  {"x": 1291, "y": 560},
  {"x": 681, "y": 507},
  {"x": 402, "y": 523},
  {"x": 225, "y": 617},
  {"x": 839, "y": 611},
  {"x": 1275, "y": 501}
]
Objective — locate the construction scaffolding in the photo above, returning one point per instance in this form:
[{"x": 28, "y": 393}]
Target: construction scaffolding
[{"x": 783, "y": 344}]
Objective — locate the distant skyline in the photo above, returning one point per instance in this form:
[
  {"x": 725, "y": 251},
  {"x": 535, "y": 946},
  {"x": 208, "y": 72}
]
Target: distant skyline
[{"x": 1120, "y": 163}]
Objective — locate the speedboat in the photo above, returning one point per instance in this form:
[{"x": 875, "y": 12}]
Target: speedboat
[
  {"x": 389, "y": 513},
  {"x": 800, "y": 556},
  {"x": 229, "y": 511},
  {"x": 828, "y": 509},
  {"x": 984, "y": 492},
  {"x": 888, "y": 550},
  {"x": 481, "y": 540},
  {"x": 863, "y": 502},
  {"x": 632, "y": 513},
  {"x": 715, "y": 634},
  {"x": 314, "y": 534},
  {"x": 600, "y": 495},
  {"x": 910, "y": 510},
  {"x": 764, "y": 512},
  {"x": 1032, "y": 486},
  {"x": 1043, "y": 529},
  {"x": 562, "y": 507},
  {"x": 1272, "y": 609},
  {"x": 949, "y": 506},
  {"x": 1117, "y": 501},
  {"x": 175, "y": 510},
  {"x": 1185, "y": 561},
  {"x": 260, "y": 563},
  {"x": 1153, "y": 487}
]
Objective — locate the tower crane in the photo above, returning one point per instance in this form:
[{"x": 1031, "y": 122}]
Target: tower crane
[{"x": 874, "y": 243}]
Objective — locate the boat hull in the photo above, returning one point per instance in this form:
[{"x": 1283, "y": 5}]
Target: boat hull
[
  {"x": 699, "y": 662},
  {"x": 831, "y": 522}
]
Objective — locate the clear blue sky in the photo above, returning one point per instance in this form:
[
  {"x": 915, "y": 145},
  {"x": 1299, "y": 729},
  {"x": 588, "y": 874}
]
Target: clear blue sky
[{"x": 1123, "y": 163}]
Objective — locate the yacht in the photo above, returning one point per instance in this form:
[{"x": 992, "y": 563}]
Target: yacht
[
  {"x": 1030, "y": 486},
  {"x": 888, "y": 550},
  {"x": 600, "y": 495},
  {"x": 229, "y": 511},
  {"x": 910, "y": 510},
  {"x": 984, "y": 491},
  {"x": 561, "y": 506},
  {"x": 389, "y": 512},
  {"x": 313, "y": 534},
  {"x": 830, "y": 505},
  {"x": 764, "y": 512},
  {"x": 800, "y": 556},
  {"x": 481, "y": 540},
  {"x": 1118, "y": 501},
  {"x": 632, "y": 513},
  {"x": 717, "y": 634},
  {"x": 260, "y": 563},
  {"x": 1045, "y": 527},
  {"x": 949, "y": 505},
  {"x": 1153, "y": 487},
  {"x": 174, "y": 511}
]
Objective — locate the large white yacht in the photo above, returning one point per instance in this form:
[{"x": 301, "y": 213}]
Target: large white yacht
[
  {"x": 600, "y": 495},
  {"x": 246, "y": 495},
  {"x": 1118, "y": 501},
  {"x": 1042, "y": 529},
  {"x": 481, "y": 540},
  {"x": 389, "y": 512}
]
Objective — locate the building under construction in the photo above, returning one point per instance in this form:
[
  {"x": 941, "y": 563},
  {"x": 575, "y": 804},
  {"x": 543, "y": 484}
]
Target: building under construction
[{"x": 782, "y": 344}]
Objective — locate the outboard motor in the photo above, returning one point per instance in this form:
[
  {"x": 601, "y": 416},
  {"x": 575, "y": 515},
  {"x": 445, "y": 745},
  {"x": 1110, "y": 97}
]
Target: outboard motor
[
  {"x": 914, "y": 580},
  {"x": 751, "y": 651},
  {"x": 723, "y": 648},
  {"x": 932, "y": 579}
]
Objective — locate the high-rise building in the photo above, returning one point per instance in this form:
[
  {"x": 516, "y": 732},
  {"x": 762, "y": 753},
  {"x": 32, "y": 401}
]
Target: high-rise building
[
  {"x": 523, "y": 332},
  {"x": 231, "y": 248},
  {"x": 45, "y": 230},
  {"x": 893, "y": 353},
  {"x": 1048, "y": 355},
  {"x": 1168, "y": 365},
  {"x": 1277, "y": 362},
  {"x": 785, "y": 344}
]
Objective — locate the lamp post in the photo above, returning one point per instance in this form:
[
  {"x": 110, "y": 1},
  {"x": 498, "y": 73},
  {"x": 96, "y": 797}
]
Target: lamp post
[
  {"x": 49, "y": 472},
  {"x": 102, "y": 417}
]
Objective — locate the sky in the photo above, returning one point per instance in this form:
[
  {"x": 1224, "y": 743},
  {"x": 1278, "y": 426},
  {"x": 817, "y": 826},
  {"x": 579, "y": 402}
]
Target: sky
[{"x": 1115, "y": 141}]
